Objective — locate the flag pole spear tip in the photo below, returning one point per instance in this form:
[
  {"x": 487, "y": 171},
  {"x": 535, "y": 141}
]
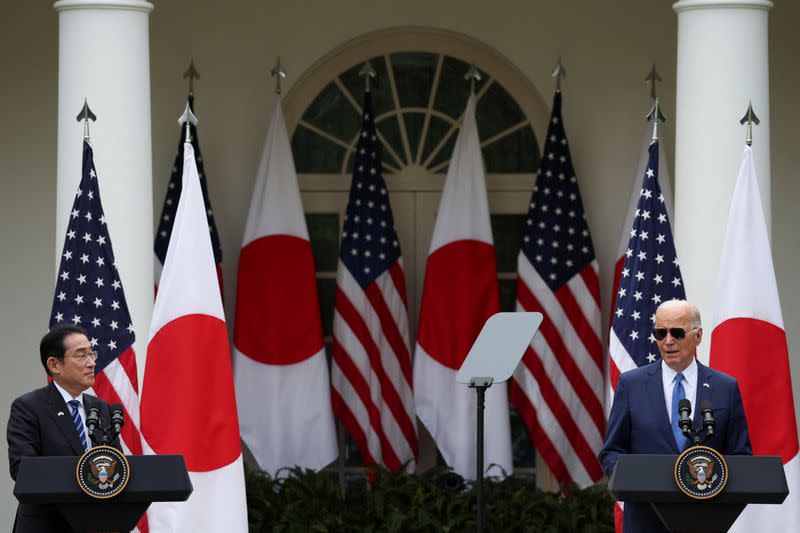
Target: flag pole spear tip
[
  {"x": 653, "y": 76},
  {"x": 750, "y": 118},
  {"x": 368, "y": 72},
  {"x": 189, "y": 119},
  {"x": 473, "y": 75},
  {"x": 279, "y": 73},
  {"x": 656, "y": 116},
  {"x": 192, "y": 74},
  {"x": 558, "y": 73},
  {"x": 84, "y": 116}
]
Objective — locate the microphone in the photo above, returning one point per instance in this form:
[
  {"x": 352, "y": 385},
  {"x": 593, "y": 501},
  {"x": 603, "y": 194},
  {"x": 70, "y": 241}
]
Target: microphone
[
  {"x": 684, "y": 410},
  {"x": 92, "y": 420},
  {"x": 117, "y": 419},
  {"x": 708, "y": 417}
]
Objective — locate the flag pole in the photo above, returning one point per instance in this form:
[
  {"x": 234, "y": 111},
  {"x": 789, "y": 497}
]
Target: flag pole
[
  {"x": 750, "y": 118},
  {"x": 85, "y": 115},
  {"x": 278, "y": 72},
  {"x": 473, "y": 75}
]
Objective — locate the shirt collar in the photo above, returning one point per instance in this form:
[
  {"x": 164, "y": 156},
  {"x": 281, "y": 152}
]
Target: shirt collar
[
  {"x": 66, "y": 395},
  {"x": 689, "y": 373}
]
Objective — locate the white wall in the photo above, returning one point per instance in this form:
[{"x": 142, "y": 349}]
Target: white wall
[{"x": 607, "y": 48}]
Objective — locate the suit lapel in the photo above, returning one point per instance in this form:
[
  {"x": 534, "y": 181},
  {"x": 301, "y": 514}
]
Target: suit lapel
[
  {"x": 655, "y": 391},
  {"x": 62, "y": 416}
]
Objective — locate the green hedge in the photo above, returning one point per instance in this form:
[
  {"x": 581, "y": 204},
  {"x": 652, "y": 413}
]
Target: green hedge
[{"x": 431, "y": 502}]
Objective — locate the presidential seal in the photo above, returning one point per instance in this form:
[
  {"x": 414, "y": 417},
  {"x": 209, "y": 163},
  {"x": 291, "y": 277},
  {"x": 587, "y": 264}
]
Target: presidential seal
[
  {"x": 701, "y": 472},
  {"x": 103, "y": 472}
]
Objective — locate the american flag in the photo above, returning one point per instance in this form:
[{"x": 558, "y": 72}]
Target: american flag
[
  {"x": 167, "y": 219},
  {"x": 558, "y": 388},
  {"x": 89, "y": 294},
  {"x": 650, "y": 275},
  {"x": 371, "y": 369}
]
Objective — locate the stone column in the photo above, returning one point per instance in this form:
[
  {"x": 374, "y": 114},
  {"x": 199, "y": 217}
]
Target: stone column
[
  {"x": 104, "y": 56},
  {"x": 723, "y": 65}
]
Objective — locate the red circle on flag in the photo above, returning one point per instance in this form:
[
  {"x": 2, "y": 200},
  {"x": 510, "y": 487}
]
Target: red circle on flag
[
  {"x": 188, "y": 404},
  {"x": 277, "y": 309},
  {"x": 460, "y": 294}
]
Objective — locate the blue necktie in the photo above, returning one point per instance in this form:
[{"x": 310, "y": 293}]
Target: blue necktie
[
  {"x": 76, "y": 419},
  {"x": 678, "y": 394}
]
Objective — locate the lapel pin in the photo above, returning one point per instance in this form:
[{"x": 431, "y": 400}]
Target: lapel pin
[
  {"x": 61, "y": 413},
  {"x": 706, "y": 385}
]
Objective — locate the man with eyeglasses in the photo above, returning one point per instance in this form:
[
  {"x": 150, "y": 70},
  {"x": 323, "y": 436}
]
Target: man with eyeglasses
[
  {"x": 52, "y": 420},
  {"x": 644, "y": 415}
]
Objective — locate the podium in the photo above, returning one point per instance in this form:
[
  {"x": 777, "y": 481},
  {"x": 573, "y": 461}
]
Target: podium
[
  {"x": 645, "y": 478},
  {"x": 52, "y": 480}
]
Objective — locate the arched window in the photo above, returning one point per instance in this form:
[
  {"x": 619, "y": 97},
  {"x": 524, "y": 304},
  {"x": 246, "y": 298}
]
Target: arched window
[{"x": 419, "y": 95}]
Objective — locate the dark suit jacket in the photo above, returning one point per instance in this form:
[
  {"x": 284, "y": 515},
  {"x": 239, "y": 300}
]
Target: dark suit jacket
[
  {"x": 639, "y": 423},
  {"x": 35, "y": 429}
]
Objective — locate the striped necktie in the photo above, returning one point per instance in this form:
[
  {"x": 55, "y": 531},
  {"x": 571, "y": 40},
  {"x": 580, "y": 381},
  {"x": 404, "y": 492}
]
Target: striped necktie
[{"x": 76, "y": 419}]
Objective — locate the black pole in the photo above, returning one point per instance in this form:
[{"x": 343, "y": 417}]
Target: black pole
[{"x": 481, "y": 390}]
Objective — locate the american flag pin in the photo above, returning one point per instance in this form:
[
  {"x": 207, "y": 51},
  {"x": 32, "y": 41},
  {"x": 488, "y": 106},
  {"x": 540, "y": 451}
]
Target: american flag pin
[{"x": 61, "y": 413}]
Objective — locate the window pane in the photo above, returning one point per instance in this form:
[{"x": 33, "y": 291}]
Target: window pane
[
  {"x": 437, "y": 128},
  {"x": 517, "y": 152},
  {"x": 497, "y": 111},
  {"x": 413, "y": 75},
  {"x": 390, "y": 129},
  {"x": 313, "y": 153},
  {"x": 522, "y": 450},
  {"x": 507, "y": 233},
  {"x": 453, "y": 90},
  {"x": 414, "y": 123},
  {"x": 508, "y": 294},
  {"x": 323, "y": 231},
  {"x": 333, "y": 113}
]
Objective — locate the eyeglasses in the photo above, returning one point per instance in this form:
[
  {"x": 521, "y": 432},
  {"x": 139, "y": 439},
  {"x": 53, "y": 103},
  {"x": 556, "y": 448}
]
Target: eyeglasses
[
  {"x": 677, "y": 333},
  {"x": 82, "y": 357}
]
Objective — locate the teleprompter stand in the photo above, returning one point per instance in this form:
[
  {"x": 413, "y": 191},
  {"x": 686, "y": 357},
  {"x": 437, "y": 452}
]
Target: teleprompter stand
[{"x": 492, "y": 359}]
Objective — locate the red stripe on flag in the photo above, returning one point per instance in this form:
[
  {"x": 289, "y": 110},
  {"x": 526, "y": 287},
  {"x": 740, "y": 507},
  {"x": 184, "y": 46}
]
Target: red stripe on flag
[
  {"x": 359, "y": 384},
  {"x": 128, "y": 362},
  {"x": 399, "y": 279},
  {"x": 565, "y": 360},
  {"x": 388, "y": 391},
  {"x": 613, "y": 374},
  {"x": 560, "y": 411},
  {"x": 592, "y": 281},
  {"x": 766, "y": 384},
  {"x": 390, "y": 331},
  {"x": 350, "y": 422},
  {"x": 129, "y": 432},
  {"x": 538, "y": 437},
  {"x": 579, "y": 323}
]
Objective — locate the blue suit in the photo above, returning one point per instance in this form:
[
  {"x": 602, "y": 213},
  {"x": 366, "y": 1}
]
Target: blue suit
[{"x": 639, "y": 423}]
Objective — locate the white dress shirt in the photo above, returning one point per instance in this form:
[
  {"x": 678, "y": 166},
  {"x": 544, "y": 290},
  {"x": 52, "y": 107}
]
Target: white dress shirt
[
  {"x": 689, "y": 385},
  {"x": 81, "y": 409}
]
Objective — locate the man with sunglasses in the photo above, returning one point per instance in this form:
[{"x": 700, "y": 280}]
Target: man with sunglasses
[
  {"x": 644, "y": 415},
  {"x": 52, "y": 420}
]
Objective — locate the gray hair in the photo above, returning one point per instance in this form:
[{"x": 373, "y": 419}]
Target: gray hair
[{"x": 694, "y": 313}]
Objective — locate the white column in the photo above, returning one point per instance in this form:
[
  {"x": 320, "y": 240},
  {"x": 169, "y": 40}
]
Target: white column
[
  {"x": 104, "y": 56},
  {"x": 722, "y": 66}
]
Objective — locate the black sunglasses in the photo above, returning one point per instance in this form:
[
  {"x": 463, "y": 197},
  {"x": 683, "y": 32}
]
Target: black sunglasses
[{"x": 677, "y": 333}]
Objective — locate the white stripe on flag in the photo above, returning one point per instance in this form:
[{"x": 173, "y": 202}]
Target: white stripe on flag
[
  {"x": 586, "y": 301},
  {"x": 360, "y": 412}
]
